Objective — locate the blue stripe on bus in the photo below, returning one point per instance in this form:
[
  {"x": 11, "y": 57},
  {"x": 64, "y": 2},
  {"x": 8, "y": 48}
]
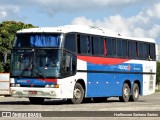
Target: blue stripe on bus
[
  {"x": 110, "y": 84},
  {"x": 35, "y": 82}
]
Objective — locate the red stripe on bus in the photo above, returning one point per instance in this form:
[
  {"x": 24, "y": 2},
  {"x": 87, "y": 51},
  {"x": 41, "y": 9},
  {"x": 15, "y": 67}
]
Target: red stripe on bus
[
  {"x": 48, "y": 80},
  {"x": 102, "y": 61}
]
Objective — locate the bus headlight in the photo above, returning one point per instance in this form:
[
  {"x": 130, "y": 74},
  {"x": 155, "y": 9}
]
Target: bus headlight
[
  {"x": 52, "y": 86},
  {"x": 47, "y": 86},
  {"x": 15, "y": 85}
]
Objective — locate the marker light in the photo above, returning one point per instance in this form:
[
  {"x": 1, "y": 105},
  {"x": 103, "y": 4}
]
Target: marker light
[{"x": 56, "y": 86}]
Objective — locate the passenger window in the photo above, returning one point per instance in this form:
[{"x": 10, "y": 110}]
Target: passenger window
[
  {"x": 152, "y": 52},
  {"x": 70, "y": 42},
  {"x": 143, "y": 51},
  {"x": 84, "y": 44},
  {"x": 132, "y": 49},
  {"x": 68, "y": 64},
  {"x": 119, "y": 48},
  {"x": 111, "y": 47},
  {"x": 98, "y": 45}
]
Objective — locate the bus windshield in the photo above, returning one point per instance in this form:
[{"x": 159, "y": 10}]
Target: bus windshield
[
  {"x": 36, "y": 63},
  {"x": 38, "y": 40}
]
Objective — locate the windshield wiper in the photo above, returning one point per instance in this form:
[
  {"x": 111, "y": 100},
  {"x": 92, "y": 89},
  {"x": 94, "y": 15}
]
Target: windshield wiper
[
  {"x": 39, "y": 72},
  {"x": 26, "y": 68}
]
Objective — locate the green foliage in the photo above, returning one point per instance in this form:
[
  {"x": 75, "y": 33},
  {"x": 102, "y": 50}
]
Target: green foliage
[
  {"x": 8, "y": 30},
  {"x": 158, "y": 73},
  {"x": 1, "y": 68}
]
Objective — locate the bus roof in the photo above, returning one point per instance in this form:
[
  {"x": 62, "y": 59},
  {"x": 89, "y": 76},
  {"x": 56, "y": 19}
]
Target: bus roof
[{"x": 82, "y": 29}]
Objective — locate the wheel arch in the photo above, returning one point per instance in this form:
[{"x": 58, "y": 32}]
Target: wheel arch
[
  {"x": 81, "y": 81},
  {"x": 138, "y": 82},
  {"x": 128, "y": 82}
]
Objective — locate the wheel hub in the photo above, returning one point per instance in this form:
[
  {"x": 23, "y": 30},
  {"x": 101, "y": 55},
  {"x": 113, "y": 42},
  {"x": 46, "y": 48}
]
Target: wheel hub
[
  {"x": 126, "y": 92},
  {"x": 77, "y": 93},
  {"x": 136, "y": 93}
]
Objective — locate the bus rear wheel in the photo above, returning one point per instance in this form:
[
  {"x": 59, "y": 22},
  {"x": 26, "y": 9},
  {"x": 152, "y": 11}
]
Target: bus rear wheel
[
  {"x": 125, "y": 93},
  {"x": 135, "y": 93},
  {"x": 78, "y": 94},
  {"x": 36, "y": 100}
]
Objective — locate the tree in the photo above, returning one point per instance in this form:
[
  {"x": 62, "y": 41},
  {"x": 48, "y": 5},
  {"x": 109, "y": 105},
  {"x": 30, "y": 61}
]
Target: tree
[
  {"x": 158, "y": 73},
  {"x": 8, "y": 30}
]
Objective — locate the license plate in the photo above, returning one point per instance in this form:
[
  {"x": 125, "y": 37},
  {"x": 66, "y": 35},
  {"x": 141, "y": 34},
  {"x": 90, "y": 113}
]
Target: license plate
[{"x": 33, "y": 92}]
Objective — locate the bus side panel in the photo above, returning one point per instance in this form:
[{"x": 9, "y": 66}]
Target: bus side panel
[
  {"x": 107, "y": 85},
  {"x": 149, "y": 76},
  {"x": 149, "y": 80},
  {"x": 107, "y": 80}
]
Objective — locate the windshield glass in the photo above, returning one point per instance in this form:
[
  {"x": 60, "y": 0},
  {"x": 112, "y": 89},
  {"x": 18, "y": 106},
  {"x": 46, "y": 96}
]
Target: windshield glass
[
  {"x": 38, "y": 40},
  {"x": 36, "y": 63}
]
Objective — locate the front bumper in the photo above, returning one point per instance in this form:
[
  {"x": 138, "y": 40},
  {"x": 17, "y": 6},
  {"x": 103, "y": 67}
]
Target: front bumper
[{"x": 40, "y": 92}]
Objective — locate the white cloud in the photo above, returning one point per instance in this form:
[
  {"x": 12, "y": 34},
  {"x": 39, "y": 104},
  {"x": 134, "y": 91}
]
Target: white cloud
[
  {"x": 52, "y": 7},
  {"x": 83, "y": 21},
  {"x": 154, "y": 32},
  {"x": 154, "y": 11},
  {"x": 140, "y": 25},
  {"x": 8, "y": 12}
]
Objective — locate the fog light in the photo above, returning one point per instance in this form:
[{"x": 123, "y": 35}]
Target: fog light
[
  {"x": 13, "y": 92},
  {"x": 53, "y": 93}
]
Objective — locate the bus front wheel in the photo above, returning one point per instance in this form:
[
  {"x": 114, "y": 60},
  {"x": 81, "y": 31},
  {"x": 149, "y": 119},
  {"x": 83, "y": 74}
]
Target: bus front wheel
[
  {"x": 135, "y": 93},
  {"x": 78, "y": 94},
  {"x": 125, "y": 93}
]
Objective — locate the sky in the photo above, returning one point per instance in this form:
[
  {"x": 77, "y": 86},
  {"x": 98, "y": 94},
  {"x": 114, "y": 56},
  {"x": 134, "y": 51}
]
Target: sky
[{"x": 134, "y": 18}]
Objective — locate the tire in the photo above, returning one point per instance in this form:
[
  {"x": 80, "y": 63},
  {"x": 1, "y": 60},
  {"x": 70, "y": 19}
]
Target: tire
[
  {"x": 100, "y": 99},
  {"x": 135, "y": 93},
  {"x": 78, "y": 94},
  {"x": 125, "y": 93},
  {"x": 36, "y": 100}
]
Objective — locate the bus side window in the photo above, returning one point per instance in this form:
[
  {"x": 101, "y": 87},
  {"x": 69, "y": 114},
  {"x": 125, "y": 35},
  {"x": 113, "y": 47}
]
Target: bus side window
[
  {"x": 111, "y": 47},
  {"x": 70, "y": 42},
  {"x": 84, "y": 44},
  {"x": 98, "y": 46},
  {"x": 152, "y": 54},
  {"x": 105, "y": 47},
  {"x": 143, "y": 51},
  {"x": 122, "y": 48},
  {"x": 78, "y": 44},
  {"x": 68, "y": 64},
  {"x": 132, "y": 49}
]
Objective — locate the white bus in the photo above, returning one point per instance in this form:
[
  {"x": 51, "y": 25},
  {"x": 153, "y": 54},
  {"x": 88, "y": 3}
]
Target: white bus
[{"x": 80, "y": 63}]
